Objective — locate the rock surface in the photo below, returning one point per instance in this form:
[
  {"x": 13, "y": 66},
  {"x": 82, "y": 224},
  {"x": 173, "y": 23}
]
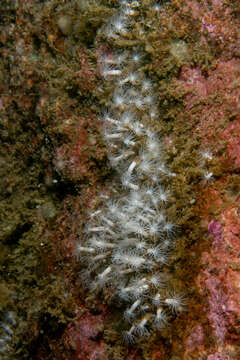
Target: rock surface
[{"x": 54, "y": 166}]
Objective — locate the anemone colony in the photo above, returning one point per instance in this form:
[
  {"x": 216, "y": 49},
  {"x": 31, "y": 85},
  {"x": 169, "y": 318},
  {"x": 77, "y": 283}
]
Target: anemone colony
[
  {"x": 7, "y": 325},
  {"x": 129, "y": 238}
]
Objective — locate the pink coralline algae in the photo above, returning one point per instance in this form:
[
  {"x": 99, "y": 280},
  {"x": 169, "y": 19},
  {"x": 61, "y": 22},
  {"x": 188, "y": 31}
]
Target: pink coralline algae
[
  {"x": 217, "y": 356},
  {"x": 221, "y": 83},
  {"x": 218, "y": 282},
  {"x": 83, "y": 338},
  {"x": 219, "y": 278},
  {"x": 76, "y": 159},
  {"x": 216, "y": 229},
  {"x": 212, "y": 101},
  {"x": 195, "y": 341},
  {"x": 232, "y": 135},
  {"x": 217, "y": 24},
  {"x": 217, "y": 301},
  {"x": 216, "y": 335},
  {"x": 55, "y": 91}
]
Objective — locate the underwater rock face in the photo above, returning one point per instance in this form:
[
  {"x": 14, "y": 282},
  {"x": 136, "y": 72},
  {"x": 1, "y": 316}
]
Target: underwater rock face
[
  {"x": 218, "y": 284},
  {"x": 84, "y": 337},
  {"x": 49, "y": 128},
  {"x": 216, "y": 333},
  {"x": 212, "y": 327}
]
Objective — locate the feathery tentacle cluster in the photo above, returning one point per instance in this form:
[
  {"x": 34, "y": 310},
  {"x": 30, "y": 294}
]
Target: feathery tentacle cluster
[
  {"x": 7, "y": 324},
  {"x": 129, "y": 238}
]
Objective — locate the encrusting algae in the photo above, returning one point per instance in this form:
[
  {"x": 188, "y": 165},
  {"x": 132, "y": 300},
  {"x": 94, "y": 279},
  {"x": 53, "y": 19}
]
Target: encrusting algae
[{"x": 112, "y": 137}]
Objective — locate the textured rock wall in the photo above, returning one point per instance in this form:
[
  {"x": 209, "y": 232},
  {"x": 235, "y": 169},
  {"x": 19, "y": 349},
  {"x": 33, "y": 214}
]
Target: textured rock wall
[{"x": 54, "y": 164}]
